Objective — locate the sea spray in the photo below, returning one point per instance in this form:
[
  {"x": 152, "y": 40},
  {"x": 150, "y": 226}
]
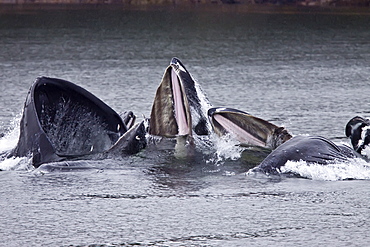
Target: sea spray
[
  {"x": 353, "y": 169},
  {"x": 10, "y": 138},
  {"x": 225, "y": 148},
  {"x": 366, "y": 152},
  {"x": 7, "y": 143},
  {"x": 16, "y": 163}
]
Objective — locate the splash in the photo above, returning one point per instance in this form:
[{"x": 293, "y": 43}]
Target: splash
[
  {"x": 366, "y": 151},
  {"x": 7, "y": 143},
  {"x": 354, "y": 169},
  {"x": 10, "y": 139},
  {"x": 16, "y": 164},
  {"x": 226, "y": 148}
]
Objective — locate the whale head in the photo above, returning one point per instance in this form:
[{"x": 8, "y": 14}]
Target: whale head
[
  {"x": 247, "y": 129},
  {"x": 62, "y": 120},
  {"x": 358, "y": 130},
  {"x": 178, "y": 106}
]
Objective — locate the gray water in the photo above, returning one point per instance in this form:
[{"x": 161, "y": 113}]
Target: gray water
[{"x": 307, "y": 72}]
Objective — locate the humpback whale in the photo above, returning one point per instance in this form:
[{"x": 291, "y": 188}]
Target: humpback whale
[
  {"x": 177, "y": 108},
  {"x": 247, "y": 129},
  {"x": 63, "y": 121},
  {"x": 358, "y": 131},
  {"x": 312, "y": 149},
  {"x": 258, "y": 137},
  {"x": 256, "y": 132}
]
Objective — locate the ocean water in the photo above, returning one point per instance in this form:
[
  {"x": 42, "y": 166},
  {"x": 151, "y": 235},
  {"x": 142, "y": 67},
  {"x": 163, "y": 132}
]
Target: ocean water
[{"x": 308, "y": 72}]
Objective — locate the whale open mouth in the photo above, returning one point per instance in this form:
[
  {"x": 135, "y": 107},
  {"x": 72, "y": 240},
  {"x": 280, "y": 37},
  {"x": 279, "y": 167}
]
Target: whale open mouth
[
  {"x": 247, "y": 129},
  {"x": 74, "y": 121},
  {"x": 170, "y": 115},
  {"x": 62, "y": 120}
]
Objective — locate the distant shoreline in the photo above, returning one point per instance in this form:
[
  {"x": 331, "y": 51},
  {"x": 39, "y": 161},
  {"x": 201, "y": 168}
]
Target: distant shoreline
[{"x": 13, "y": 6}]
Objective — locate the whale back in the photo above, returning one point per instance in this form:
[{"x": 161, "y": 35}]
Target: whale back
[{"x": 311, "y": 149}]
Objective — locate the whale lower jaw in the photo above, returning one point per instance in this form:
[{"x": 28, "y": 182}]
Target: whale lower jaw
[
  {"x": 239, "y": 133},
  {"x": 247, "y": 129}
]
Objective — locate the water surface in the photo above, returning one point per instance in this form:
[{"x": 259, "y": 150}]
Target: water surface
[{"x": 309, "y": 73}]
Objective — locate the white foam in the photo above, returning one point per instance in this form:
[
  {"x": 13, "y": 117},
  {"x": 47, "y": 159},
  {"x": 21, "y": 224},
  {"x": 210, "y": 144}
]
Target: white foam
[
  {"x": 10, "y": 139},
  {"x": 366, "y": 151},
  {"x": 354, "y": 169},
  {"x": 226, "y": 148},
  {"x": 16, "y": 163},
  {"x": 7, "y": 143}
]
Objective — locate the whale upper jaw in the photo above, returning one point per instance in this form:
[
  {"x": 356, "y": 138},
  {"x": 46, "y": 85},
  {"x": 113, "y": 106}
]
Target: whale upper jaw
[{"x": 247, "y": 129}]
